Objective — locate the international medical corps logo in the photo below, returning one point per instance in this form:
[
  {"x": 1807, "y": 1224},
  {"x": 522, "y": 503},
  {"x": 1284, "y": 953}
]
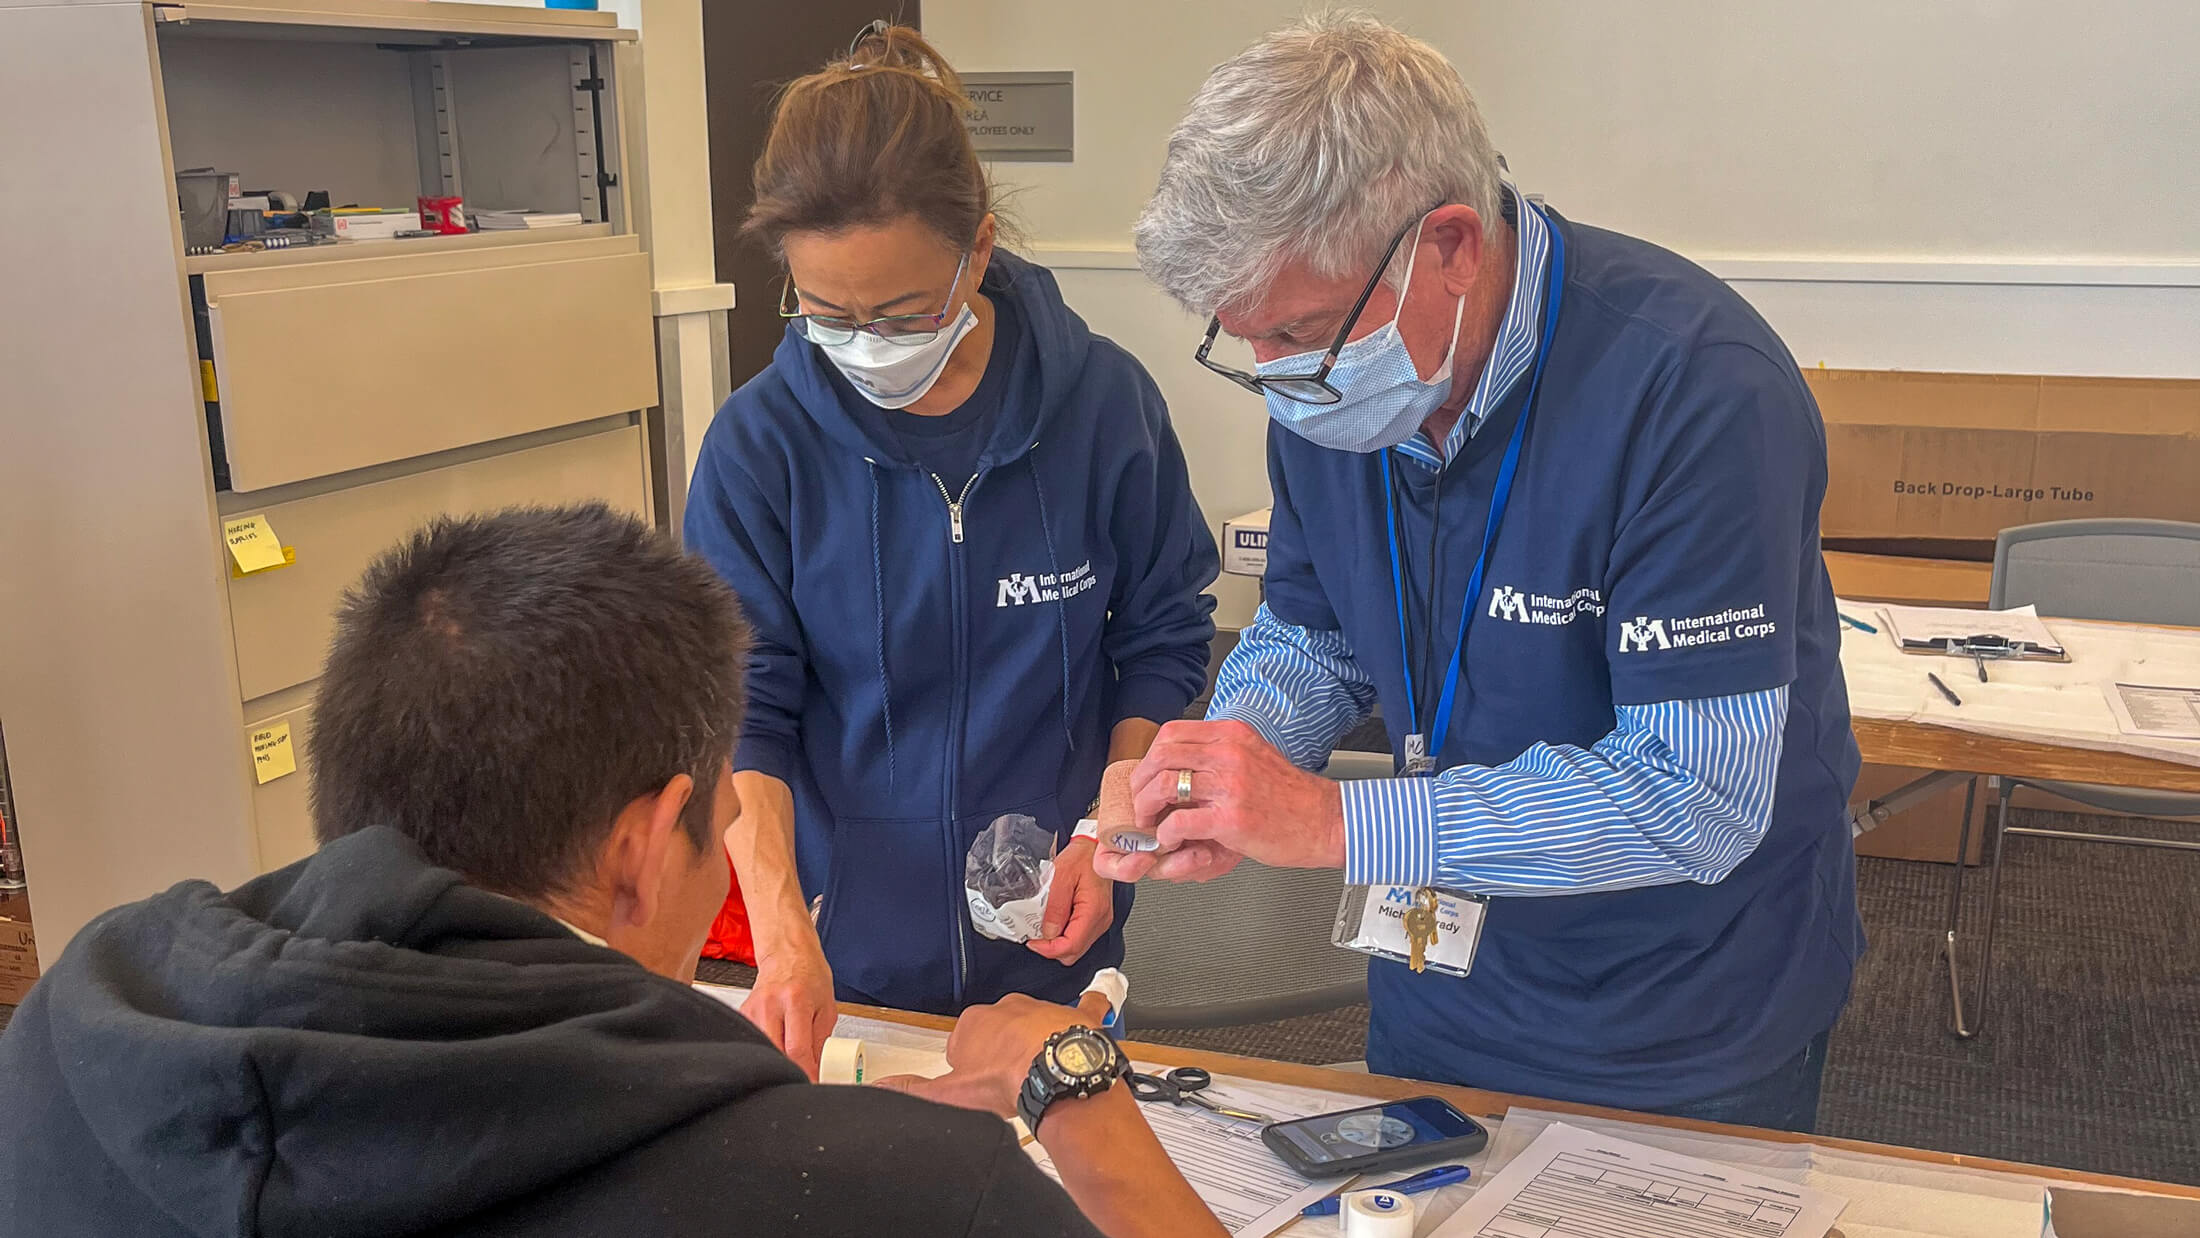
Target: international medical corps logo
[
  {"x": 1637, "y": 634},
  {"x": 1643, "y": 633},
  {"x": 1517, "y": 605},
  {"x": 1019, "y": 589}
]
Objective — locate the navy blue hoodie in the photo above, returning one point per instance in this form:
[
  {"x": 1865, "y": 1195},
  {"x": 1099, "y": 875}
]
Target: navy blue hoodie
[{"x": 911, "y": 685}]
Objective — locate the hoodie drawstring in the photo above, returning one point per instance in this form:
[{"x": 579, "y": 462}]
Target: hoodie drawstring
[
  {"x": 1061, "y": 609},
  {"x": 878, "y": 598}
]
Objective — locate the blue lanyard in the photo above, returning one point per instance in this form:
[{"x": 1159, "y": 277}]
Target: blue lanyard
[{"x": 1422, "y": 761}]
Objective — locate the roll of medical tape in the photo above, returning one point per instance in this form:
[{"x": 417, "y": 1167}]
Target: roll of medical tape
[
  {"x": 1378, "y": 1214},
  {"x": 842, "y": 1061}
]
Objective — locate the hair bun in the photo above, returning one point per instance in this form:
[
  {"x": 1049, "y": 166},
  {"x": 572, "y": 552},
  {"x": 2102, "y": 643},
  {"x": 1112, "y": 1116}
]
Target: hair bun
[{"x": 881, "y": 45}]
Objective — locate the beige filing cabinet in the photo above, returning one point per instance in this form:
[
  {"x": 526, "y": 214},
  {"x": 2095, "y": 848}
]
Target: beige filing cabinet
[{"x": 344, "y": 394}]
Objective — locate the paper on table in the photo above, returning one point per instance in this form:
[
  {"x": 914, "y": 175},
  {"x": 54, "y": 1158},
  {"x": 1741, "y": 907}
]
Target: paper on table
[
  {"x": 1578, "y": 1184},
  {"x": 1889, "y": 1196},
  {"x": 1250, "y": 1191},
  {"x": 2152, "y": 709},
  {"x": 1930, "y": 625}
]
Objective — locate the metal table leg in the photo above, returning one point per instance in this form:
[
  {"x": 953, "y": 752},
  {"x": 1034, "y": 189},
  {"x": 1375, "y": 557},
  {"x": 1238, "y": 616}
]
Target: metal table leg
[
  {"x": 1968, "y": 1030},
  {"x": 1955, "y": 914}
]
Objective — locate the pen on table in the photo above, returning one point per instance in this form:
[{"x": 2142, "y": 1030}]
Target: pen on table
[
  {"x": 1953, "y": 699},
  {"x": 1426, "y": 1180},
  {"x": 1858, "y": 624}
]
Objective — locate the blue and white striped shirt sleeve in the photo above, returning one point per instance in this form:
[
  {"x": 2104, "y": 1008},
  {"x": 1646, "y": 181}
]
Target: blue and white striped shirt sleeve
[
  {"x": 1679, "y": 791},
  {"x": 1300, "y": 688}
]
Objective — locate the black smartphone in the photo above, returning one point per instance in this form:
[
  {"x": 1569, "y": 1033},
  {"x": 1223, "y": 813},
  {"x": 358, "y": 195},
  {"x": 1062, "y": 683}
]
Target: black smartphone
[{"x": 1386, "y": 1136}]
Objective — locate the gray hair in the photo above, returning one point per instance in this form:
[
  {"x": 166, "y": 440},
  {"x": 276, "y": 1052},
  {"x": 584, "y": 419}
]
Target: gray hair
[{"x": 1318, "y": 143}]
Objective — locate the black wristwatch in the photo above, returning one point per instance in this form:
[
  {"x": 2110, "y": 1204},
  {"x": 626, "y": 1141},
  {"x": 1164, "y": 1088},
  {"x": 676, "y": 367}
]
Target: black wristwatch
[{"x": 1076, "y": 1061}]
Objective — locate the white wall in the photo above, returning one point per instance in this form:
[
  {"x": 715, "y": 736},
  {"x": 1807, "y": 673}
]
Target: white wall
[{"x": 1991, "y": 185}]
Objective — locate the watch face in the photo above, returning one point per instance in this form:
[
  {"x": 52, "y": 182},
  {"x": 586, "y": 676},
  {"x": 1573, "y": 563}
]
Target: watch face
[
  {"x": 1375, "y": 1130},
  {"x": 1078, "y": 1056}
]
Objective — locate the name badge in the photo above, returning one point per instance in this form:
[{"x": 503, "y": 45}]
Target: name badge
[
  {"x": 1373, "y": 920},
  {"x": 1418, "y": 761}
]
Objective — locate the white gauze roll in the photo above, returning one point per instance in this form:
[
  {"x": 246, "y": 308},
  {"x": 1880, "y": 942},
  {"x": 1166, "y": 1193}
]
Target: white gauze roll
[
  {"x": 842, "y": 1061},
  {"x": 1378, "y": 1214}
]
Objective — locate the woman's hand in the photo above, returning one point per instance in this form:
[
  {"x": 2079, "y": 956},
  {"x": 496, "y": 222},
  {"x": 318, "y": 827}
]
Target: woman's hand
[
  {"x": 792, "y": 1002},
  {"x": 1080, "y": 906}
]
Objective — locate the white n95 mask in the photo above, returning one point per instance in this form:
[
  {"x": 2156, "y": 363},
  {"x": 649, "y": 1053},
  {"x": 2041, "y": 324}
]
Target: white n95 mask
[
  {"x": 1385, "y": 399},
  {"x": 897, "y": 375}
]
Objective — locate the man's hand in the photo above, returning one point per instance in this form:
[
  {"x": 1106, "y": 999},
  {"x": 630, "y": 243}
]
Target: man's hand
[
  {"x": 1080, "y": 905},
  {"x": 992, "y": 1048},
  {"x": 792, "y": 1003},
  {"x": 1246, "y": 801}
]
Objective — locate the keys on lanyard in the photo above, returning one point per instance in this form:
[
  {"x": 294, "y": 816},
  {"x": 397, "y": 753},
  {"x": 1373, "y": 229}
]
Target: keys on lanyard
[{"x": 1420, "y": 928}]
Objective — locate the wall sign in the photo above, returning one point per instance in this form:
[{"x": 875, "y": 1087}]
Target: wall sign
[{"x": 1022, "y": 117}]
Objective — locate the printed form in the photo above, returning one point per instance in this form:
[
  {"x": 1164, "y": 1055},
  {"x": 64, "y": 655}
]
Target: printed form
[
  {"x": 1572, "y": 1183},
  {"x": 1251, "y": 1192}
]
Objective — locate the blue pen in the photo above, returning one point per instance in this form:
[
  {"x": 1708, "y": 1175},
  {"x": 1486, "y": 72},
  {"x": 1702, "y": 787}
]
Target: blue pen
[
  {"x": 1858, "y": 624},
  {"x": 1426, "y": 1180}
]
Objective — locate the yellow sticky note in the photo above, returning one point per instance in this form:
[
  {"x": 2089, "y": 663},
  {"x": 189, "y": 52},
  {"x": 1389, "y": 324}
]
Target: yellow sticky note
[
  {"x": 290, "y": 556},
  {"x": 272, "y": 756},
  {"x": 252, "y": 543},
  {"x": 207, "y": 388}
]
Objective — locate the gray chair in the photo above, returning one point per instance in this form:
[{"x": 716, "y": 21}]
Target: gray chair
[
  {"x": 2132, "y": 571},
  {"x": 1249, "y": 947}
]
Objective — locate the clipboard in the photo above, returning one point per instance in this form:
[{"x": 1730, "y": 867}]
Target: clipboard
[{"x": 1982, "y": 636}]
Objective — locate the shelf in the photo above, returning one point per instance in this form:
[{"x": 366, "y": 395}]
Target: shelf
[
  {"x": 391, "y": 21},
  {"x": 344, "y": 251}
]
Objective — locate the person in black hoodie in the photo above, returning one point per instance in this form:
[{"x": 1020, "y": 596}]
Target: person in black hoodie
[{"x": 467, "y": 1014}]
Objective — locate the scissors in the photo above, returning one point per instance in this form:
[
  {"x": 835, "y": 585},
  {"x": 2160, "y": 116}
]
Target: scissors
[{"x": 1183, "y": 1086}]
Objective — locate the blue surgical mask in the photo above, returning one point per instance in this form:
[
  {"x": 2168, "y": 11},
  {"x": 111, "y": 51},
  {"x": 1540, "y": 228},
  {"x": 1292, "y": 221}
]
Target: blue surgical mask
[{"x": 1385, "y": 397}]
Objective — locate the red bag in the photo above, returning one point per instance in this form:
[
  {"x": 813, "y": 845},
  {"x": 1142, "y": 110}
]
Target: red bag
[{"x": 729, "y": 933}]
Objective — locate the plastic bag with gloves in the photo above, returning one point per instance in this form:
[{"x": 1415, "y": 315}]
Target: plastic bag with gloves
[{"x": 1007, "y": 876}]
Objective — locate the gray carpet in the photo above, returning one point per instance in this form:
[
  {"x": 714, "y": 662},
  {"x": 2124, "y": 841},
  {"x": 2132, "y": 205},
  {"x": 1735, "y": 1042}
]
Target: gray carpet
[{"x": 2091, "y": 1059}]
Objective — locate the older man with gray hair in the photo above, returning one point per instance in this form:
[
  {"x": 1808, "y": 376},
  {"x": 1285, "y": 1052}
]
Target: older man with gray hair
[{"x": 1547, "y": 495}]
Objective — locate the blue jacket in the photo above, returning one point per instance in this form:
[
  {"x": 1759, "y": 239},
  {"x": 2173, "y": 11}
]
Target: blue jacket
[
  {"x": 1662, "y": 541},
  {"x": 911, "y": 687}
]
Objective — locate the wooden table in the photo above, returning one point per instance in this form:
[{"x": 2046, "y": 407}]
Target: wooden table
[
  {"x": 1493, "y": 1105},
  {"x": 1894, "y": 741}
]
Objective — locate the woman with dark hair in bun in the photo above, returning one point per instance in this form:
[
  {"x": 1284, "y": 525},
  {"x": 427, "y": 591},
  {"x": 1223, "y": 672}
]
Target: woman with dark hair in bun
[{"x": 962, "y": 527}]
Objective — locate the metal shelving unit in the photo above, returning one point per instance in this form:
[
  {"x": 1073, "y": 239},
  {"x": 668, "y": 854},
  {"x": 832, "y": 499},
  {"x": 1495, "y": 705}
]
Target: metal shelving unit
[{"x": 11, "y": 852}]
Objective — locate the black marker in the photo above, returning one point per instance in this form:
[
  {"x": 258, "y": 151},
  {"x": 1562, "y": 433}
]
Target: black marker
[{"x": 1953, "y": 699}]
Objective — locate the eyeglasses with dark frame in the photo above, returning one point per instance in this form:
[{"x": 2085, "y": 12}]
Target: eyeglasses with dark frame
[
  {"x": 907, "y": 330},
  {"x": 1311, "y": 388}
]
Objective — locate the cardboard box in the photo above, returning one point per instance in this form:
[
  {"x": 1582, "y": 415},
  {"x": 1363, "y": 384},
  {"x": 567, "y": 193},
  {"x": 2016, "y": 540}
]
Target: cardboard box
[
  {"x": 1960, "y": 457},
  {"x": 374, "y": 226},
  {"x": 18, "y": 951},
  {"x": 2085, "y": 1212},
  {"x": 1911, "y": 582},
  {"x": 1926, "y": 830},
  {"x": 1245, "y": 543}
]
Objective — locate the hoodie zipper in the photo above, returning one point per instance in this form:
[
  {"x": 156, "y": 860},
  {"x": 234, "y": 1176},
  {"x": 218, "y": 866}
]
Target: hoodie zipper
[
  {"x": 959, "y": 618},
  {"x": 955, "y": 505}
]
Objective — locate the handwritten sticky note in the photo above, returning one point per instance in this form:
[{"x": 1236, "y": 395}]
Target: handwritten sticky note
[
  {"x": 272, "y": 755},
  {"x": 252, "y": 543}
]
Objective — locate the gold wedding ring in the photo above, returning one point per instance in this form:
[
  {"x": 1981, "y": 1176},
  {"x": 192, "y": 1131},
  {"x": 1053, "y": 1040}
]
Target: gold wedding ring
[{"x": 1183, "y": 787}]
